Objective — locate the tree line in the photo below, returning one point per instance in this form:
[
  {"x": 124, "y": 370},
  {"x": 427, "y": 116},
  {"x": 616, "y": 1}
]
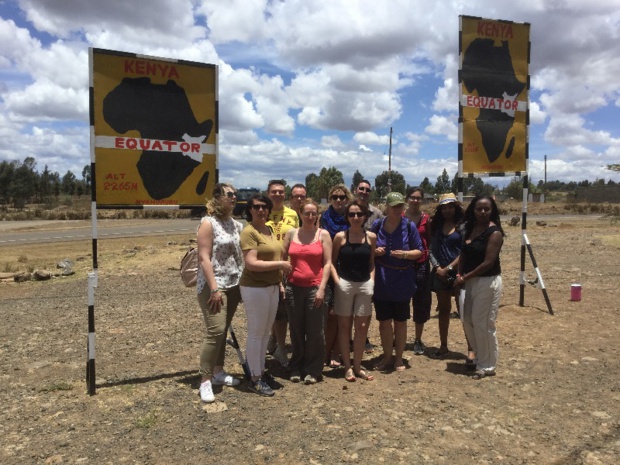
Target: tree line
[
  {"x": 318, "y": 185},
  {"x": 21, "y": 183}
]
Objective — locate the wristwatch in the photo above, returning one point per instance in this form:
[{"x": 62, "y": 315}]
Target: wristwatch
[
  {"x": 213, "y": 291},
  {"x": 450, "y": 268}
]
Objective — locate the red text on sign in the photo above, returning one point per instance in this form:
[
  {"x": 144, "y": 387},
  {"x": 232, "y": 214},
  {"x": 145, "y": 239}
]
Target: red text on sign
[
  {"x": 492, "y": 103},
  {"x": 156, "y": 145},
  {"x": 495, "y": 30},
  {"x": 148, "y": 68},
  {"x": 120, "y": 186}
]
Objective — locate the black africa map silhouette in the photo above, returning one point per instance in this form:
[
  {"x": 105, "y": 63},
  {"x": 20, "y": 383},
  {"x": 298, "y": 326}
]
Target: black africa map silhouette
[
  {"x": 157, "y": 111},
  {"x": 493, "y": 124}
]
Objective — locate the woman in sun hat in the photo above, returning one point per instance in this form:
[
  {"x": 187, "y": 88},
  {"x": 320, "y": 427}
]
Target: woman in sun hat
[
  {"x": 398, "y": 248},
  {"x": 444, "y": 259}
]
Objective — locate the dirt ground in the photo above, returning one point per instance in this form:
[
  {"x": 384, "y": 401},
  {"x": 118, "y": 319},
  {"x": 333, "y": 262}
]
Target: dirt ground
[{"x": 555, "y": 399}]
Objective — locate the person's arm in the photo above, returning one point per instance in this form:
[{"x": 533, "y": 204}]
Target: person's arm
[
  {"x": 494, "y": 245},
  {"x": 444, "y": 271},
  {"x": 338, "y": 241},
  {"x": 415, "y": 246},
  {"x": 326, "y": 243},
  {"x": 252, "y": 262},
  {"x": 205, "y": 249},
  {"x": 287, "y": 242},
  {"x": 372, "y": 239}
]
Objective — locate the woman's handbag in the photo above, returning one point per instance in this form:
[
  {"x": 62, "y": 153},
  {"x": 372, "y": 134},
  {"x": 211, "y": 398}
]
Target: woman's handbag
[
  {"x": 437, "y": 284},
  {"x": 189, "y": 267}
]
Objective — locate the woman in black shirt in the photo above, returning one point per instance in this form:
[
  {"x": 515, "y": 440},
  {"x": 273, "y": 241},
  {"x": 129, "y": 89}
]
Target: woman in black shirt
[
  {"x": 480, "y": 276},
  {"x": 353, "y": 255}
]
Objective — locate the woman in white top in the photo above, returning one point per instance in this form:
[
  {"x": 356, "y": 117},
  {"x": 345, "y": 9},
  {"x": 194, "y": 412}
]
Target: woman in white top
[{"x": 220, "y": 265}]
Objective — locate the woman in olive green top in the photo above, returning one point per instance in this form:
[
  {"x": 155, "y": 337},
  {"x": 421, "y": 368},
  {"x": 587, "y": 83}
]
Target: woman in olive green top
[{"x": 260, "y": 285}]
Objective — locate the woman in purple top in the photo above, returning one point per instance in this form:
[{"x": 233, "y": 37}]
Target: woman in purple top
[{"x": 398, "y": 248}]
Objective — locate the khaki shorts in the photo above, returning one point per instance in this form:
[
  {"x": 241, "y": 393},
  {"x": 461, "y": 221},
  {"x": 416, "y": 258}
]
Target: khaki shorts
[{"x": 353, "y": 298}]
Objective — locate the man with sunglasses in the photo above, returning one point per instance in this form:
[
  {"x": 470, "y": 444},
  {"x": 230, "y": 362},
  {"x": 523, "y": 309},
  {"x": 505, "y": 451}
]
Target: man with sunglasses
[
  {"x": 281, "y": 220},
  {"x": 362, "y": 194},
  {"x": 298, "y": 195}
]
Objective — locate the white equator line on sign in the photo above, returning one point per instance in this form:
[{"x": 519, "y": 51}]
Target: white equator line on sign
[
  {"x": 507, "y": 103},
  {"x": 190, "y": 146}
]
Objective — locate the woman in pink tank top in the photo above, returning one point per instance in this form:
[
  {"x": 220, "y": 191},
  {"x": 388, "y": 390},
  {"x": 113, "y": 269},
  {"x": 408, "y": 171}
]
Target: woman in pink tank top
[{"x": 309, "y": 249}]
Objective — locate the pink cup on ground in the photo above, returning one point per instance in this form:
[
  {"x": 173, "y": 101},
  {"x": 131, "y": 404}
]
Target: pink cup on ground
[{"x": 575, "y": 292}]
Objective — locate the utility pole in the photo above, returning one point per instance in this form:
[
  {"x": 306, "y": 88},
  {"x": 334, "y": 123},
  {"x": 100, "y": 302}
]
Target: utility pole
[
  {"x": 544, "y": 194},
  {"x": 390, "y": 164}
]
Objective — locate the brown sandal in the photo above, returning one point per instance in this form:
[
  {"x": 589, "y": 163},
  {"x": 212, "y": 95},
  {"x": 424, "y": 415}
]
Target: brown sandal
[{"x": 365, "y": 376}]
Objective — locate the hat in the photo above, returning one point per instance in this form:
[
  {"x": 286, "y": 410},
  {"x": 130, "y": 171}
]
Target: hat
[
  {"x": 447, "y": 198},
  {"x": 395, "y": 198}
]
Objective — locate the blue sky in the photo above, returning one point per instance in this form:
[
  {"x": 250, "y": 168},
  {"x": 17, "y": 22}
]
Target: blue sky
[{"x": 312, "y": 83}]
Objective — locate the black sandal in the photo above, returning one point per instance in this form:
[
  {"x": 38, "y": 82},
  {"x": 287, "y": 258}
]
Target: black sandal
[{"x": 440, "y": 353}]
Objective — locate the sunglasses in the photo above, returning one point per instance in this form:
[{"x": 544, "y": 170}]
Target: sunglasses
[
  {"x": 260, "y": 206},
  {"x": 339, "y": 197},
  {"x": 364, "y": 189},
  {"x": 299, "y": 197},
  {"x": 415, "y": 198},
  {"x": 356, "y": 215},
  {"x": 231, "y": 194}
]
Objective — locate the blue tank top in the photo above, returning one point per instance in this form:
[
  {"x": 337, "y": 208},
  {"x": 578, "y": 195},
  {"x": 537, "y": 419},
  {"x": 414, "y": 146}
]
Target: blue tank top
[{"x": 446, "y": 248}]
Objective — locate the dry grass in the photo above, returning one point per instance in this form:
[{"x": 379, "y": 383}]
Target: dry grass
[{"x": 119, "y": 254}]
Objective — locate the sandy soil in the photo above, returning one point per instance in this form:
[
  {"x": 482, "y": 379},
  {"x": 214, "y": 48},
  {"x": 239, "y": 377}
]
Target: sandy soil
[{"x": 554, "y": 400}]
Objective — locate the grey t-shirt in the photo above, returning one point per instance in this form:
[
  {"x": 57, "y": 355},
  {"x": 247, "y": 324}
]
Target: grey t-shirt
[{"x": 373, "y": 214}]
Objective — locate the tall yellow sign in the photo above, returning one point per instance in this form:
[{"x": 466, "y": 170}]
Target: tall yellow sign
[
  {"x": 154, "y": 129},
  {"x": 494, "y": 92}
]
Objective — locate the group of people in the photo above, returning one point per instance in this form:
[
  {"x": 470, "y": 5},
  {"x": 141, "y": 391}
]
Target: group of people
[{"x": 321, "y": 274}]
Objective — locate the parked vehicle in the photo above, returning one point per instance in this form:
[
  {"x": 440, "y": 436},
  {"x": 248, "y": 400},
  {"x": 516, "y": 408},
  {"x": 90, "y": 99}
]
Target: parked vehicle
[{"x": 243, "y": 194}]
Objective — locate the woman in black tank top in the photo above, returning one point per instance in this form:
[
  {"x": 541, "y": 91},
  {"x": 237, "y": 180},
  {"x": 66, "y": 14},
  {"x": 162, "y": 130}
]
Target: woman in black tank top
[
  {"x": 353, "y": 272},
  {"x": 480, "y": 276}
]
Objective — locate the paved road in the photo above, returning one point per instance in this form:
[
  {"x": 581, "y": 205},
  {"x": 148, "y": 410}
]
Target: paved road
[{"x": 25, "y": 232}]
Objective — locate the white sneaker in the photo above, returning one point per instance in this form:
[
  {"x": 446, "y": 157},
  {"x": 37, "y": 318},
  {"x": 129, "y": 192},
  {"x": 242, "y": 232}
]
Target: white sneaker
[
  {"x": 206, "y": 392},
  {"x": 280, "y": 356},
  {"x": 224, "y": 379}
]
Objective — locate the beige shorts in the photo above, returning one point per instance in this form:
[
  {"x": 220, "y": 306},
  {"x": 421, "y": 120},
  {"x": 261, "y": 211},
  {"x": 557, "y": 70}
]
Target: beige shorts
[{"x": 353, "y": 298}]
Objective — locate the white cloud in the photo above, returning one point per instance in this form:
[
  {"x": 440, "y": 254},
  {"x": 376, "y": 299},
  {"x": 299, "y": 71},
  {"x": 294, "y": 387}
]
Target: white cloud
[
  {"x": 371, "y": 138},
  {"x": 331, "y": 141},
  {"x": 330, "y": 78},
  {"x": 537, "y": 115},
  {"x": 441, "y": 125},
  {"x": 44, "y": 101},
  {"x": 569, "y": 131},
  {"x": 163, "y": 22}
]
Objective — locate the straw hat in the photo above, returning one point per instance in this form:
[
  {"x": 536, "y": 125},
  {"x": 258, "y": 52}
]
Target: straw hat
[{"x": 447, "y": 198}]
